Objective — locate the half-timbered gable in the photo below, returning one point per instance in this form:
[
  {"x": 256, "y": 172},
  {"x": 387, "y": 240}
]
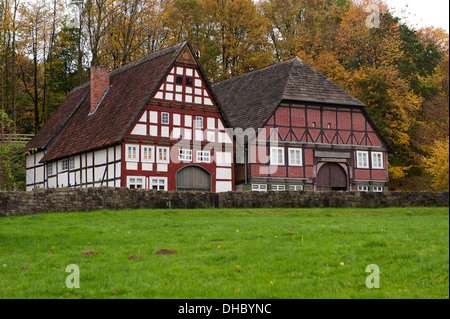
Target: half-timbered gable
[
  {"x": 311, "y": 133},
  {"x": 154, "y": 123},
  {"x": 180, "y": 137}
]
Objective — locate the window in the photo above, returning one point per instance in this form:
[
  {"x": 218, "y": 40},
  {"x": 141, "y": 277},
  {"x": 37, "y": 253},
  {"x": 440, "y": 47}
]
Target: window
[
  {"x": 158, "y": 183},
  {"x": 313, "y": 124},
  {"x": 362, "y": 159},
  {"x": 295, "y": 157},
  {"x": 295, "y": 187},
  {"x": 49, "y": 169},
  {"x": 71, "y": 163},
  {"x": 363, "y": 188},
  {"x": 163, "y": 155},
  {"x": 189, "y": 81},
  {"x": 377, "y": 188},
  {"x": 65, "y": 164},
  {"x": 199, "y": 122},
  {"x": 135, "y": 182},
  {"x": 132, "y": 153},
  {"x": 377, "y": 160},
  {"x": 164, "y": 118},
  {"x": 185, "y": 155},
  {"x": 259, "y": 187},
  {"x": 276, "y": 156},
  {"x": 203, "y": 156},
  {"x": 278, "y": 187},
  {"x": 147, "y": 154},
  {"x": 179, "y": 80}
]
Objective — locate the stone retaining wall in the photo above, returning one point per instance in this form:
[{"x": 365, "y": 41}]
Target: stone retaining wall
[{"x": 87, "y": 199}]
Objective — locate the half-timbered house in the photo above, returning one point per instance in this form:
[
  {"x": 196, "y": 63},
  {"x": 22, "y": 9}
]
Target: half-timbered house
[
  {"x": 310, "y": 133},
  {"x": 154, "y": 123}
]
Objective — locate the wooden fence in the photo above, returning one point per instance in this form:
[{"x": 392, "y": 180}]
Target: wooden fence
[{"x": 15, "y": 138}]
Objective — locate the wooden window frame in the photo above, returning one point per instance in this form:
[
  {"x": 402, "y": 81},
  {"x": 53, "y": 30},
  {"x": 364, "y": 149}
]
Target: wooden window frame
[
  {"x": 64, "y": 164},
  {"x": 152, "y": 150},
  {"x": 374, "y": 161},
  {"x": 278, "y": 187},
  {"x": 201, "y": 155},
  {"x": 163, "y": 114},
  {"x": 184, "y": 155},
  {"x": 359, "y": 163},
  {"x": 72, "y": 163},
  {"x": 197, "y": 118},
  {"x": 277, "y": 149},
  {"x": 167, "y": 160},
  {"x": 129, "y": 183},
  {"x": 295, "y": 187},
  {"x": 157, "y": 178},
  {"x": 290, "y": 160},
  {"x": 127, "y": 153},
  {"x": 259, "y": 187}
]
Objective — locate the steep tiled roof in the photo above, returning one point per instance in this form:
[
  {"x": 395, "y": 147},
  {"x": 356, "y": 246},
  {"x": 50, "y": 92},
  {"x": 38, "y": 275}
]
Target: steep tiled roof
[
  {"x": 71, "y": 130},
  {"x": 250, "y": 99}
]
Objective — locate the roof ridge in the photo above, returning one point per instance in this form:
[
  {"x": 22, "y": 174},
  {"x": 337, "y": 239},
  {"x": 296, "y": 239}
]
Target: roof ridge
[
  {"x": 302, "y": 63},
  {"x": 290, "y": 60},
  {"x": 294, "y": 59}
]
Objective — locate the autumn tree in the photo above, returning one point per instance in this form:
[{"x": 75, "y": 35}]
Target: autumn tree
[{"x": 302, "y": 27}]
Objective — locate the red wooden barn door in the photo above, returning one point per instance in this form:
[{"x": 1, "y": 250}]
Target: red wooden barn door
[{"x": 331, "y": 176}]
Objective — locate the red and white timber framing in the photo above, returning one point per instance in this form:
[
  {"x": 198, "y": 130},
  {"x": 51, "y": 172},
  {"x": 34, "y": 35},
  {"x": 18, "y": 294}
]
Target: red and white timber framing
[
  {"x": 181, "y": 115},
  {"x": 309, "y": 136}
]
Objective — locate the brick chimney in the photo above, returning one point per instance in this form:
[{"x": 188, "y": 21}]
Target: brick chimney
[{"x": 99, "y": 84}]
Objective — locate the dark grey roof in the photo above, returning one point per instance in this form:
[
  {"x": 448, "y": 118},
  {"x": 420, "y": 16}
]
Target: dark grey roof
[{"x": 250, "y": 99}]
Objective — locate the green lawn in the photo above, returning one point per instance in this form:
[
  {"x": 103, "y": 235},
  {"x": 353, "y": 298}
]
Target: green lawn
[{"x": 228, "y": 253}]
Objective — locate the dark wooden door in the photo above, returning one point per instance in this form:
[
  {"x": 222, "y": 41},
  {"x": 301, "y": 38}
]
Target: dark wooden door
[
  {"x": 193, "y": 178},
  {"x": 331, "y": 176}
]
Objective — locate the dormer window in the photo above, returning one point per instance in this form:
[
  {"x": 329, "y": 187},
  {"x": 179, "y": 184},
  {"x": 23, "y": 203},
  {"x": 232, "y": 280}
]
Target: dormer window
[
  {"x": 179, "y": 80},
  {"x": 189, "y": 81}
]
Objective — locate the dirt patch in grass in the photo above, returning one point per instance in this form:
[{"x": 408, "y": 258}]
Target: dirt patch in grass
[
  {"x": 89, "y": 252},
  {"x": 133, "y": 257},
  {"x": 215, "y": 240},
  {"x": 292, "y": 233},
  {"x": 166, "y": 252}
]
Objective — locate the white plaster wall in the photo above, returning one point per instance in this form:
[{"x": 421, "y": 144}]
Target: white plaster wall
[
  {"x": 222, "y": 186},
  {"x": 223, "y": 173}
]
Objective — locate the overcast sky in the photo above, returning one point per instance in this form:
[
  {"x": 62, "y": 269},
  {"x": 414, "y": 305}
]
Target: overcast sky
[{"x": 422, "y": 13}]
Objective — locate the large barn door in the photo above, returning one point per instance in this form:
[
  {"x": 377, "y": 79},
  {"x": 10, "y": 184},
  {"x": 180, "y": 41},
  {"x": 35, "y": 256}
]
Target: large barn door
[
  {"x": 331, "y": 176},
  {"x": 193, "y": 178}
]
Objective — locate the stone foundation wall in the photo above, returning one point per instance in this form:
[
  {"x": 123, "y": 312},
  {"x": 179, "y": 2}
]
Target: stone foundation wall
[{"x": 87, "y": 199}]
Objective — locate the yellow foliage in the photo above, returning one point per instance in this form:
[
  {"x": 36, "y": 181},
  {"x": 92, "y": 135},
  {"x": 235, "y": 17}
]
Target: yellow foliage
[
  {"x": 397, "y": 172},
  {"x": 438, "y": 165}
]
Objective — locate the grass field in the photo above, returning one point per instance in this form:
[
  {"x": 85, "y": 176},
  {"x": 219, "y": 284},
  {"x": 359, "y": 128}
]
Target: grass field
[{"x": 228, "y": 253}]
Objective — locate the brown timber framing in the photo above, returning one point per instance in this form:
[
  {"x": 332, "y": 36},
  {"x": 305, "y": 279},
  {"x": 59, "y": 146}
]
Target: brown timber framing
[
  {"x": 352, "y": 139},
  {"x": 82, "y": 182}
]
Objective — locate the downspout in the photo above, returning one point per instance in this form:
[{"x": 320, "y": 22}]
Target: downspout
[{"x": 245, "y": 162}]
